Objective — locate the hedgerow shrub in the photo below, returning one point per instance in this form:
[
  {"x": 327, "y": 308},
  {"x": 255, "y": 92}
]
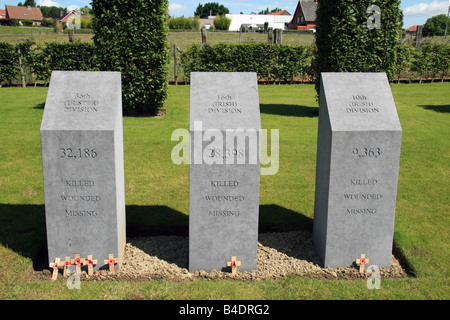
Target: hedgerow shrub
[
  {"x": 440, "y": 60},
  {"x": 131, "y": 36},
  {"x": 404, "y": 56},
  {"x": 26, "y": 60},
  {"x": 182, "y": 23},
  {"x": 64, "y": 56},
  {"x": 8, "y": 63},
  {"x": 270, "y": 62},
  {"x": 222, "y": 23},
  {"x": 345, "y": 43},
  {"x": 27, "y": 22}
]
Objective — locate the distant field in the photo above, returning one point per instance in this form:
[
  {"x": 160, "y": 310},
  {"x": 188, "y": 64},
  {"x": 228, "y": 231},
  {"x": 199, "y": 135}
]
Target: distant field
[
  {"x": 181, "y": 39},
  {"x": 185, "y": 39},
  {"x": 40, "y": 35}
]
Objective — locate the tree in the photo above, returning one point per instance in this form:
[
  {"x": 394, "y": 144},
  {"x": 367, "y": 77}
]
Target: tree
[
  {"x": 435, "y": 25},
  {"x": 267, "y": 11},
  {"x": 85, "y": 10},
  {"x": 30, "y": 3},
  {"x": 52, "y": 12},
  {"x": 211, "y": 8},
  {"x": 48, "y": 23},
  {"x": 222, "y": 23}
]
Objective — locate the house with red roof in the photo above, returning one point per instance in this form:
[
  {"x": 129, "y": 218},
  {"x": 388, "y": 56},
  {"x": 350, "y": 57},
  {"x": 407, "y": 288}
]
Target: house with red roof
[
  {"x": 412, "y": 30},
  {"x": 280, "y": 13},
  {"x": 69, "y": 17},
  {"x": 23, "y": 13}
]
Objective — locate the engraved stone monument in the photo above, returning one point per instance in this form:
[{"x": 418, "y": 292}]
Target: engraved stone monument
[
  {"x": 224, "y": 170},
  {"x": 82, "y": 159},
  {"x": 358, "y": 155}
]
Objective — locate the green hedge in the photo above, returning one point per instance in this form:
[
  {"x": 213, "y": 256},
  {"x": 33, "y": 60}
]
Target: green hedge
[
  {"x": 31, "y": 62},
  {"x": 346, "y": 43},
  {"x": 182, "y": 23},
  {"x": 276, "y": 63},
  {"x": 131, "y": 36},
  {"x": 272, "y": 63},
  {"x": 8, "y": 63},
  {"x": 222, "y": 23},
  {"x": 65, "y": 56},
  {"x": 430, "y": 61}
]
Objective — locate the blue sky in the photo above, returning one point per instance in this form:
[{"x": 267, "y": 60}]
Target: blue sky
[{"x": 416, "y": 11}]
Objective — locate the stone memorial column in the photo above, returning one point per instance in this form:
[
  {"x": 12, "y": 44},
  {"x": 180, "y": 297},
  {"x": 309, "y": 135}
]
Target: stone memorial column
[
  {"x": 82, "y": 159},
  {"x": 358, "y": 154},
  {"x": 224, "y": 171}
]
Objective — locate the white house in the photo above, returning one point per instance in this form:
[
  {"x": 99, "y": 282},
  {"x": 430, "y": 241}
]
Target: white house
[{"x": 256, "y": 21}]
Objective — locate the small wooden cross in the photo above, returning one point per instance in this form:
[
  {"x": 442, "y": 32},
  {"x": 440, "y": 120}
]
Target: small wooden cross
[
  {"x": 66, "y": 265},
  {"x": 77, "y": 262},
  {"x": 55, "y": 265},
  {"x": 233, "y": 264},
  {"x": 361, "y": 262},
  {"x": 111, "y": 261},
  {"x": 90, "y": 263}
]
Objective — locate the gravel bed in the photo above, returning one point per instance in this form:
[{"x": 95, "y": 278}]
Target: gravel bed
[{"x": 280, "y": 254}]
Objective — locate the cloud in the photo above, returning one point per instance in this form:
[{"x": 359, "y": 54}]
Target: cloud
[
  {"x": 73, "y": 7},
  {"x": 174, "y": 7},
  {"x": 48, "y": 3},
  {"x": 433, "y": 8}
]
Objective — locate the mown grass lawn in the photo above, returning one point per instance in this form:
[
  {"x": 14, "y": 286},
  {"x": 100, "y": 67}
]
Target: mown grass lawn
[{"x": 157, "y": 196}]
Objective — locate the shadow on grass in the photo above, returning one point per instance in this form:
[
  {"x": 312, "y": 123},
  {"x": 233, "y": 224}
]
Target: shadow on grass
[
  {"x": 438, "y": 108},
  {"x": 22, "y": 230},
  {"x": 289, "y": 110},
  {"x": 39, "y": 106},
  {"x": 272, "y": 219},
  {"x": 145, "y": 221}
]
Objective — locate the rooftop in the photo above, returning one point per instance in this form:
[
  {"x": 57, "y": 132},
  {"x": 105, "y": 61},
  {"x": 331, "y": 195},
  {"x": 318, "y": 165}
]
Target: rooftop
[{"x": 23, "y": 13}]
